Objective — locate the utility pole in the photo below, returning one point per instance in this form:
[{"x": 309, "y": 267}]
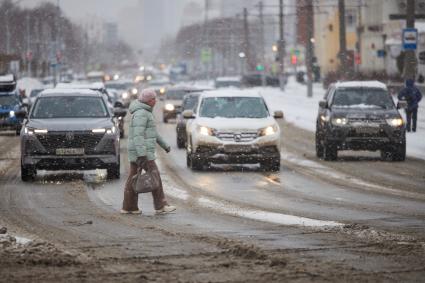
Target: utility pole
[
  {"x": 247, "y": 50},
  {"x": 310, "y": 47},
  {"x": 410, "y": 61},
  {"x": 281, "y": 46},
  {"x": 29, "y": 53},
  {"x": 7, "y": 33},
  {"x": 344, "y": 68},
  {"x": 263, "y": 55},
  {"x": 206, "y": 37}
]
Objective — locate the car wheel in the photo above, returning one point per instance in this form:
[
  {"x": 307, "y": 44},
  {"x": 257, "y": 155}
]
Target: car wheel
[
  {"x": 18, "y": 131},
  {"x": 271, "y": 166},
  {"x": 188, "y": 161},
  {"x": 319, "y": 146},
  {"x": 28, "y": 173},
  {"x": 122, "y": 134},
  {"x": 113, "y": 172},
  {"x": 180, "y": 143},
  {"x": 330, "y": 152},
  {"x": 399, "y": 152},
  {"x": 195, "y": 163}
]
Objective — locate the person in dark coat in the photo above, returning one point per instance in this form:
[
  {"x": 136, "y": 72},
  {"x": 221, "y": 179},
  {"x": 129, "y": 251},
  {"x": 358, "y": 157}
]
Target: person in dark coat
[{"x": 412, "y": 95}]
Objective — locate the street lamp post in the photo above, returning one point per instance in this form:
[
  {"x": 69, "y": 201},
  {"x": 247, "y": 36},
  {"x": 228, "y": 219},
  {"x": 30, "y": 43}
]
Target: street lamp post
[{"x": 242, "y": 57}]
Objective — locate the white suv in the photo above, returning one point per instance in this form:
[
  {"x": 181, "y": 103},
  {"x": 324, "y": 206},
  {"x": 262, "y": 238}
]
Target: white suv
[{"x": 234, "y": 127}]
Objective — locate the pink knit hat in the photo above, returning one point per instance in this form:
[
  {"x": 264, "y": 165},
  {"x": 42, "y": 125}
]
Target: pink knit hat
[{"x": 146, "y": 95}]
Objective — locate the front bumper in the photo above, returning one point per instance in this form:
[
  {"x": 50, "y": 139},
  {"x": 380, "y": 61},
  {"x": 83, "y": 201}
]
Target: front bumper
[
  {"x": 364, "y": 138},
  {"x": 84, "y": 162}
]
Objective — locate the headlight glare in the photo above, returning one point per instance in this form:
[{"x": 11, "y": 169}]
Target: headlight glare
[
  {"x": 339, "y": 121},
  {"x": 270, "y": 130},
  {"x": 169, "y": 107},
  {"x": 12, "y": 113},
  {"x": 395, "y": 122},
  {"x": 98, "y": 131},
  {"x": 124, "y": 95},
  {"x": 205, "y": 131}
]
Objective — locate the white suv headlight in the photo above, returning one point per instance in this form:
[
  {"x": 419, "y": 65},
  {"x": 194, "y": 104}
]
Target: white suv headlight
[
  {"x": 205, "y": 131},
  {"x": 270, "y": 130},
  {"x": 395, "y": 122}
]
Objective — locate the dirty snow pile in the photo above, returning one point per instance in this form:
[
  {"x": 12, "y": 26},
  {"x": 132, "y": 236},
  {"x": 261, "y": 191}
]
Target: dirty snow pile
[{"x": 16, "y": 250}]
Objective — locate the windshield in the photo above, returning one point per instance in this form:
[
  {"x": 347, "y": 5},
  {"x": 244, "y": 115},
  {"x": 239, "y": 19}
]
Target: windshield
[
  {"x": 362, "y": 98},
  {"x": 9, "y": 100},
  {"x": 175, "y": 94},
  {"x": 190, "y": 103},
  {"x": 69, "y": 107},
  {"x": 233, "y": 107}
]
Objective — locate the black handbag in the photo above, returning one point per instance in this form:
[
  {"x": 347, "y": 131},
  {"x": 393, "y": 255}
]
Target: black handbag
[{"x": 145, "y": 182}]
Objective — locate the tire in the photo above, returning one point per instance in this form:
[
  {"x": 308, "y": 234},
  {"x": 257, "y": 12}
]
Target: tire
[
  {"x": 330, "y": 152},
  {"x": 271, "y": 166},
  {"x": 28, "y": 173},
  {"x": 320, "y": 150},
  {"x": 113, "y": 172},
  {"x": 195, "y": 163},
  {"x": 180, "y": 143},
  {"x": 122, "y": 134},
  {"x": 399, "y": 152}
]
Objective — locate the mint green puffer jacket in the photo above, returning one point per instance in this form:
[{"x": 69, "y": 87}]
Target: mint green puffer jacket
[{"x": 142, "y": 134}]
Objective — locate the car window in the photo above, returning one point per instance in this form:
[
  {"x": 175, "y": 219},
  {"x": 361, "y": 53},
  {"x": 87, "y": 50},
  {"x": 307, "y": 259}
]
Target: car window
[
  {"x": 233, "y": 107},
  {"x": 35, "y": 92},
  {"x": 175, "y": 94},
  {"x": 362, "y": 98},
  {"x": 69, "y": 107},
  {"x": 9, "y": 100},
  {"x": 190, "y": 103}
]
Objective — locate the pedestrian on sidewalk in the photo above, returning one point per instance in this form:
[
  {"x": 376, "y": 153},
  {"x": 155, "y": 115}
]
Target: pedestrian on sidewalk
[
  {"x": 412, "y": 95},
  {"x": 142, "y": 140}
]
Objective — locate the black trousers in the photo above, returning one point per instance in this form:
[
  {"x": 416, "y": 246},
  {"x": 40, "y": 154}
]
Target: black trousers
[{"x": 412, "y": 118}]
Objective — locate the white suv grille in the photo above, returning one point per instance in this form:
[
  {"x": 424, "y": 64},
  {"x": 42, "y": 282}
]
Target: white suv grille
[{"x": 237, "y": 137}]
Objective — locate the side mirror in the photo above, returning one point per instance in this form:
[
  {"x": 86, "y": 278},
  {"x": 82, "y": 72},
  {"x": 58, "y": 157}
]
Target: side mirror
[
  {"x": 323, "y": 104},
  {"x": 402, "y": 104},
  {"x": 278, "y": 115},
  {"x": 118, "y": 104},
  {"x": 188, "y": 114},
  {"x": 22, "y": 114},
  {"x": 120, "y": 112}
]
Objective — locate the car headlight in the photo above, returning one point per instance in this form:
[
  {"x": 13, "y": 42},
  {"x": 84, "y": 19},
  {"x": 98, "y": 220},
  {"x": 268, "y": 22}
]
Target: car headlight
[
  {"x": 169, "y": 107},
  {"x": 205, "y": 131},
  {"x": 31, "y": 131},
  {"x": 339, "y": 121},
  {"x": 270, "y": 130},
  {"x": 134, "y": 91},
  {"x": 395, "y": 122},
  {"x": 162, "y": 90},
  {"x": 124, "y": 95},
  {"x": 103, "y": 130},
  {"x": 324, "y": 118}
]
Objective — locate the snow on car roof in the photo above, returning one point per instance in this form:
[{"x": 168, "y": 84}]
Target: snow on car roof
[
  {"x": 228, "y": 79},
  {"x": 230, "y": 93},
  {"x": 69, "y": 91},
  {"x": 7, "y": 78},
  {"x": 370, "y": 84},
  {"x": 80, "y": 86}
]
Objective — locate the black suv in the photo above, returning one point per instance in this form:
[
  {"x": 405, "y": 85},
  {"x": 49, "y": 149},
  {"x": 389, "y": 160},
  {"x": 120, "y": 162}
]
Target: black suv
[
  {"x": 70, "y": 130},
  {"x": 360, "y": 116}
]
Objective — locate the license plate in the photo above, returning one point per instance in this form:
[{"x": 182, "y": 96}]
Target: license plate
[
  {"x": 70, "y": 151},
  {"x": 367, "y": 130},
  {"x": 237, "y": 148}
]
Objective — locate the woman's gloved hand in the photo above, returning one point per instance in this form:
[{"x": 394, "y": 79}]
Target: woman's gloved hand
[{"x": 168, "y": 149}]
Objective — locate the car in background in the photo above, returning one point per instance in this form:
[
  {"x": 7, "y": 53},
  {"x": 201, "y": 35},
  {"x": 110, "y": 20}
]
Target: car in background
[
  {"x": 254, "y": 80},
  {"x": 33, "y": 95},
  {"x": 10, "y": 105},
  {"x": 96, "y": 76},
  {"x": 124, "y": 88},
  {"x": 221, "y": 82},
  {"x": 190, "y": 102},
  {"x": 173, "y": 98},
  {"x": 232, "y": 127},
  {"x": 70, "y": 129},
  {"x": 360, "y": 116}
]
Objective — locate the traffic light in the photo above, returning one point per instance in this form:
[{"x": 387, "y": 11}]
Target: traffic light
[{"x": 294, "y": 59}]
